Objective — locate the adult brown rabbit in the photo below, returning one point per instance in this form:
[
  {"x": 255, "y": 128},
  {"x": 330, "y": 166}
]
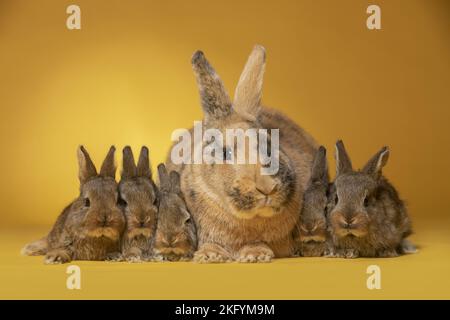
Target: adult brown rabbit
[
  {"x": 240, "y": 213},
  {"x": 366, "y": 216},
  {"x": 91, "y": 226},
  {"x": 312, "y": 234},
  {"x": 139, "y": 199},
  {"x": 176, "y": 235}
]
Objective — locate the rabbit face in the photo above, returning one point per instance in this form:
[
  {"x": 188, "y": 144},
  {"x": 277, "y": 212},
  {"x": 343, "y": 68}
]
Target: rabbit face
[
  {"x": 313, "y": 225},
  {"x": 247, "y": 192},
  {"x": 175, "y": 233},
  {"x": 103, "y": 216},
  {"x": 139, "y": 202},
  {"x": 97, "y": 203},
  {"x": 138, "y": 194},
  {"x": 352, "y": 197},
  {"x": 353, "y": 202}
]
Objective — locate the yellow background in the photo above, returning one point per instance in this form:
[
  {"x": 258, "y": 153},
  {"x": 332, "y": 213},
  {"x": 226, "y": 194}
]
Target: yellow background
[{"x": 125, "y": 78}]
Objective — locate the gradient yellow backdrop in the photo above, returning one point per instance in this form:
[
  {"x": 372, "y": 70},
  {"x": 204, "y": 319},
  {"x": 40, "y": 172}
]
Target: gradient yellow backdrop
[{"x": 125, "y": 78}]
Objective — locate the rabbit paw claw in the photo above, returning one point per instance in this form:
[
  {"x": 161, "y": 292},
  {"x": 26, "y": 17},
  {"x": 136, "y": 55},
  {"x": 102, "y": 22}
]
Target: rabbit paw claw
[{"x": 253, "y": 254}]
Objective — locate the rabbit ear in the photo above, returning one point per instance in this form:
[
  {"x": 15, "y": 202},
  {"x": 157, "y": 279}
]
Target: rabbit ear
[
  {"x": 247, "y": 97},
  {"x": 214, "y": 98},
  {"x": 343, "y": 162},
  {"x": 377, "y": 162},
  {"x": 129, "y": 166},
  {"x": 108, "y": 168},
  {"x": 143, "y": 166},
  {"x": 319, "y": 172},
  {"x": 86, "y": 166},
  {"x": 175, "y": 182},
  {"x": 164, "y": 182}
]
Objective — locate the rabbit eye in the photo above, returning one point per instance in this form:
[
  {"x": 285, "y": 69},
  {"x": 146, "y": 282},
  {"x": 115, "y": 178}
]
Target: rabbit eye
[
  {"x": 121, "y": 202},
  {"x": 188, "y": 220},
  {"x": 336, "y": 200},
  {"x": 366, "y": 202},
  {"x": 87, "y": 202}
]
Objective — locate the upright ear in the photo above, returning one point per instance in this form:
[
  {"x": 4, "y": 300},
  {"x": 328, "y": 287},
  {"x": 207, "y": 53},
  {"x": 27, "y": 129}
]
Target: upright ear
[
  {"x": 319, "y": 172},
  {"x": 108, "y": 168},
  {"x": 164, "y": 182},
  {"x": 377, "y": 162},
  {"x": 214, "y": 99},
  {"x": 86, "y": 166},
  {"x": 143, "y": 166},
  {"x": 129, "y": 167},
  {"x": 247, "y": 97},
  {"x": 343, "y": 163},
  {"x": 175, "y": 182}
]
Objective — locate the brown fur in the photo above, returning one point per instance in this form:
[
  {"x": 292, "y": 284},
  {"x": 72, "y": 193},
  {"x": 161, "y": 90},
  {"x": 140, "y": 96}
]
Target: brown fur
[
  {"x": 366, "y": 216},
  {"x": 312, "y": 233},
  {"x": 175, "y": 235},
  {"x": 90, "y": 227},
  {"x": 234, "y": 207},
  {"x": 139, "y": 200}
]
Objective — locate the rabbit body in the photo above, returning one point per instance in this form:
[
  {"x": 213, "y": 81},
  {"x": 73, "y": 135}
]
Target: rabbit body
[
  {"x": 241, "y": 214},
  {"x": 91, "y": 226},
  {"x": 366, "y": 216}
]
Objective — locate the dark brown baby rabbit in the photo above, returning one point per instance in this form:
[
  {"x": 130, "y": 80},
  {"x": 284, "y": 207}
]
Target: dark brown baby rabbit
[
  {"x": 312, "y": 233},
  {"x": 91, "y": 226},
  {"x": 139, "y": 200},
  {"x": 366, "y": 216},
  {"x": 175, "y": 234}
]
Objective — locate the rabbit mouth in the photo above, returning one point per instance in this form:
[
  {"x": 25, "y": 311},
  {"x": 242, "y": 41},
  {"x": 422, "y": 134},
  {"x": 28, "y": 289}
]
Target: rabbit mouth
[
  {"x": 352, "y": 233},
  {"x": 170, "y": 254},
  {"x": 137, "y": 232},
  {"x": 106, "y": 232},
  {"x": 313, "y": 239},
  {"x": 263, "y": 212}
]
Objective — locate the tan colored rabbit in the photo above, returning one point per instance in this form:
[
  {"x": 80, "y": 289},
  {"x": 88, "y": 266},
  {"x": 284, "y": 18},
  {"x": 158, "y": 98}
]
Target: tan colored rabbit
[
  {"x": 366, "y": 216},
  {"x": 176, "y": 234},
  {"x": 91, "y": 226},
  {"x": 313, "y": 224},
  {"x": 139, "y": 199},
  {"x": 241, "y": 214}
]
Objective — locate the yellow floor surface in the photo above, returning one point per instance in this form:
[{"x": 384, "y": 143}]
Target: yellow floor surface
[{"x": 425, "y": 275}]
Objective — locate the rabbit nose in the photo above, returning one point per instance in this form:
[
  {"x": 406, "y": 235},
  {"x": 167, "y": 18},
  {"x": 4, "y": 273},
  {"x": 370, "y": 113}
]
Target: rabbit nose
[
  {"x": 266, "y": 185},
  {"x": 348, "y": 223},
  {"x": 142, "y": 224}
]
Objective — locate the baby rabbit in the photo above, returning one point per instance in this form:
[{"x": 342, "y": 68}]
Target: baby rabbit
[
  {"x": 139, "y": 200},
  {"x": 312, "y": 233},
  {"x": 366, "y": 216},
  {"x": 175, "y": 234},
  {"x": 91, "y": 226}
]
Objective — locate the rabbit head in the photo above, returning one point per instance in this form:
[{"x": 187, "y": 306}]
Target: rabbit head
[
  {"x": 102, "y": 216},
  {"x": 138, "y": 194},
  {"x": 175, "y": 235},
  {"x": 354, "y": 194},
  {"x": 247, "y": 192},
  {"x": 313, "y": 225}
]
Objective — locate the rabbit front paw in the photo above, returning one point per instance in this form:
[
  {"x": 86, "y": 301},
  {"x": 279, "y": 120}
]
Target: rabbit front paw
[
  {"x": 212, "y": 253},
  {"x": 342, "y": 253},
  {"x": 387, "y": 253},
  {"x": 134, "y": 258},
  {"x": 255, "y": 253},
  {"x": 133, "y": 255},
  {"x": 57, "y": 257},
  {"x": 114, "y": 257}
]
